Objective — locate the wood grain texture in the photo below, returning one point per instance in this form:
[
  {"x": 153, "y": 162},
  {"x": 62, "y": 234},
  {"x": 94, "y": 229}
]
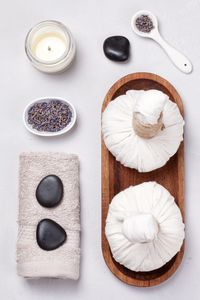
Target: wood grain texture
[{"x": 116, "y": 177}]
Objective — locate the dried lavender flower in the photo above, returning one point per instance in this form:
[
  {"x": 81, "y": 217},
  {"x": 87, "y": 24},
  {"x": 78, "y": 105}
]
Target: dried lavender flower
[
  {"x": 144, "y": 23},
  {"x": 49, "y": 116}
]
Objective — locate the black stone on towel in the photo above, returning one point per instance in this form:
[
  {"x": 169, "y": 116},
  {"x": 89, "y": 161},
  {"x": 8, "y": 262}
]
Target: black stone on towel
[
  {"x": 49, "y": 192},
  {"x": 50, "y": 235},
  {"x": 116, "y": 48}
]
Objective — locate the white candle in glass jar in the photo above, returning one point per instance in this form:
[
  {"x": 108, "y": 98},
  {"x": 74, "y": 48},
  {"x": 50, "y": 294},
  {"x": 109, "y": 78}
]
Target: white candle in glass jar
[{"x": 50, "y": 46}]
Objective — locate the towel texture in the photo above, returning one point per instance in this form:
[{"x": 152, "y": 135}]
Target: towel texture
[{"x": 32, "y": 261}]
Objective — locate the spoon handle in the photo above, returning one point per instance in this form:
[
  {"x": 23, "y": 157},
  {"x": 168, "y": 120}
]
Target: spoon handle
[{"x": 179, "y": 60}]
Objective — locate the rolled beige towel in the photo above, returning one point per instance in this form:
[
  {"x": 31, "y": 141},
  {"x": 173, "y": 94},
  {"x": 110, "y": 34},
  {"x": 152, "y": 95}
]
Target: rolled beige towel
[{"x": 32, "y": 261}]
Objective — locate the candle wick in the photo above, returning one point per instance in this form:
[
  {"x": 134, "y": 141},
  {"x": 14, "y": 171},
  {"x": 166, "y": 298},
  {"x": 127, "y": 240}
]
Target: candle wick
[{"x": 49, "y": 48}]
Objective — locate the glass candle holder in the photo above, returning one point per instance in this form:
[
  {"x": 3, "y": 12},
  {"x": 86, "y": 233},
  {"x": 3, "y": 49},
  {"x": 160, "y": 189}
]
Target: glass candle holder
[{"x": 50, "y": 46}]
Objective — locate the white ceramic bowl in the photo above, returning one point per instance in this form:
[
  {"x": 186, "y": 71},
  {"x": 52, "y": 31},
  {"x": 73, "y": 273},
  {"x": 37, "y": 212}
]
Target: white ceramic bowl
[{"x": 46, "y": 133}]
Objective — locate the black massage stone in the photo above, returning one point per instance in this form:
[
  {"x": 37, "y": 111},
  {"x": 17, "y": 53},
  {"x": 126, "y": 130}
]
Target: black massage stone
[
  {"x": 49, "y": 192},
  {"x": 50, "y": 235},
  {"x": 116, "y": 48}
]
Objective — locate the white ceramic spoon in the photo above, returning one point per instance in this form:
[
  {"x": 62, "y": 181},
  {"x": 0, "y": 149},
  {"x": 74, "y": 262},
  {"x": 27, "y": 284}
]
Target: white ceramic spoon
[{"x": 179, "y": 60}]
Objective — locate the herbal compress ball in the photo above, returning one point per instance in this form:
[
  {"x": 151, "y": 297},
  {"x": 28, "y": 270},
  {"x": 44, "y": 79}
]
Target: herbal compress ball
[
  {"x": 142, "y": 129},
  {"x": 144, "y": 227}
]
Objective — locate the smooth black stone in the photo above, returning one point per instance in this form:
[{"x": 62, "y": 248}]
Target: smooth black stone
[
  {"x": 50, "y": 235},
  {"x": 116, "y": 48},
  {"x": 49, "y": 192}
]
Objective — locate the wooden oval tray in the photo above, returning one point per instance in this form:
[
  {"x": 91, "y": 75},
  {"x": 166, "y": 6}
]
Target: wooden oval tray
[{"x": 116, "y": 177}]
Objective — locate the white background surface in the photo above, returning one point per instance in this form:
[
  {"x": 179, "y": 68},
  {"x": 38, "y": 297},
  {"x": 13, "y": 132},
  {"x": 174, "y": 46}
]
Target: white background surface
[{"x": 85, "y": 85}]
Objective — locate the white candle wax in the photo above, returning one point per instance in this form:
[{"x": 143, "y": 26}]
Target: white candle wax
[{"x": 50, "y": 46}]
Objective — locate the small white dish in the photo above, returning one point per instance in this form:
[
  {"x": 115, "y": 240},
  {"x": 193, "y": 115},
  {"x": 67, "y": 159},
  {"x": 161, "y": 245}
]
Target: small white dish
[{"x": 47, "y": 133}]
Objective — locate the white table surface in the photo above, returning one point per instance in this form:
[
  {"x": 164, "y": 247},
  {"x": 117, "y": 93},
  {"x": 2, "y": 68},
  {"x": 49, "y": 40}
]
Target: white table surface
[{"x": 86, "y": 84}]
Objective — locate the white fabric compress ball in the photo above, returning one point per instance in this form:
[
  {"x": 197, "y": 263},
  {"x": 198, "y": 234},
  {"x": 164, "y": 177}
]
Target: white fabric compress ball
[
  {"x": 142, "y": 129},
  {"x": 144, "y": 227}
]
